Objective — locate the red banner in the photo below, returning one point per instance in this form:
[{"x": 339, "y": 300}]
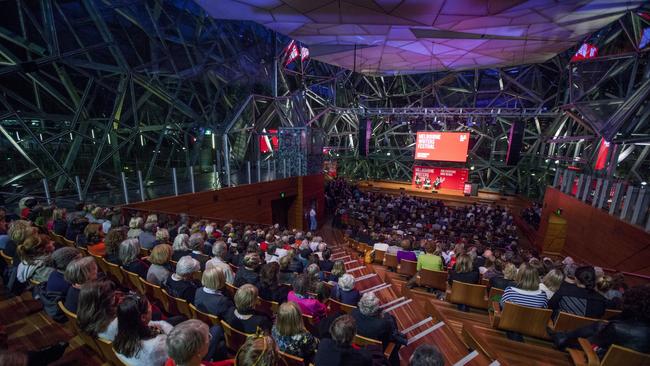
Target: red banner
[
  {"x": 433, "y": 178},
  {"x": 603, "y": 150},
  {"x": 443, "y": 146},
  {"x": 585, "y": 52}
]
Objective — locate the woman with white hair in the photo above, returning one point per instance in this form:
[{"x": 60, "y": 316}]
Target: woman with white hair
[
  {"x": 135, "y": 227},
  {"x": 345, "y": 292},
  {"x": 372, "y": 323},
  {"x": 129, "y": 252},
  {"x": 181, "y": 247},
  {"x": 181, "y": 284}
]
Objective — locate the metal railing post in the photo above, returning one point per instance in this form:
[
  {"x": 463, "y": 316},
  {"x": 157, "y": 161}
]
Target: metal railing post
[
  {"x": 192, "y": 179},
  {"x": 141, "y": 185},
  {"x": 175, "y": 181},
  {"x": 124, "y": 189},
  {"x": 248, "y": 171},
  {"x": 77, "y": 182},
  {"x": 47, "y": 191}
]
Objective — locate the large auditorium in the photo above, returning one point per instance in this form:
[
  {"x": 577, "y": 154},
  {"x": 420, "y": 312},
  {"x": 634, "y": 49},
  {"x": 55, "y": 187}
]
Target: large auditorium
[{"x": 325, "y": 182}]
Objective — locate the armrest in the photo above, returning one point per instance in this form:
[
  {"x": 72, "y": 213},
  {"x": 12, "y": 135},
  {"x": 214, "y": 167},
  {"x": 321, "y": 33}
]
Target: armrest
[
  {"x": 577, "y": 356},
  {"x": 389, "y": 349},
  {"x": 592, "y": 357},
  {"x": 495, "y": 315}
]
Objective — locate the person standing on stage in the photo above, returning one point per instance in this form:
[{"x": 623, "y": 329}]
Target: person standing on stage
[{"x": 312, "y": 219}]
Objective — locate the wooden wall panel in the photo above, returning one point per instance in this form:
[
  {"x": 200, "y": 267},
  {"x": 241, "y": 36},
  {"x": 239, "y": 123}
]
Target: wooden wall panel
[
  {"x": 313, "y": 188},
  {"x": 596, "y": 237}
]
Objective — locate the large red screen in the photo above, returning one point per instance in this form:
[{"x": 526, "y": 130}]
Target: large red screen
[{"x": 442, "y": 146}]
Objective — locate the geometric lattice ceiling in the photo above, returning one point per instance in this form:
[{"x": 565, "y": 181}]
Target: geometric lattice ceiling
[{"x": 412, "y": 36}]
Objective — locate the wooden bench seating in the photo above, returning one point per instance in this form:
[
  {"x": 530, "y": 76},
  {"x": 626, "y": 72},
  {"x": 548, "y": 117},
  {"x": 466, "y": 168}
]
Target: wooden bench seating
[{"x": 616, "y": 355}]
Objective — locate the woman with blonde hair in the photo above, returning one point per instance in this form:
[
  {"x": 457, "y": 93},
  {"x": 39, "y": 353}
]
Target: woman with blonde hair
[
  {"x": 526, "y": 291},
  {"x": 35, "y": 262},
  {"x": 506, "y": 278},
  {"x": 551, "y": 282},
  {"x": 338, "y": 270},
  {"x": 258, "y": 351},
  {"x": 243, "y": 317},
  {"x": 290, "y": 334},
  {"x": 463, "y": 271},
  {"x": 135, "y": 227},
  {"x": 160, "y": 268},
  {"x": 209, "y": 298}
]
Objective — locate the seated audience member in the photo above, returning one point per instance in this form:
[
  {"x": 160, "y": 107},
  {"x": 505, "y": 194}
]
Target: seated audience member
[
  {"x": 243, "y": 317},
  {"x": 35, "y": 259},
  {"x": 290, "y": 334},
  {"x": 551, "y": 282},
  {"x": 603, "y": 285},
  {"x": 426, "y": 355},
  {"x": 580, "y": 299},
  {"x": 56, "y": 281},
  {"x": 430, "y": 259},
  {"x": 18, "y": 231},
  {"x": 338, "y": 270},
  {"x": 76, "y": 228},
  {"x": 463, "y": 271},
  {"x": 112, "y": 242},
  {"x": 631, "y": 329},
  {"x": 181, "y": 247},
  {"x": 247, "y": 272},
  {"x": 209, "y": 298},
  {"x": 191, "y": 342},
  {"x": 219, "y": 255},
  {"x": 296, "y": 265},
  {"x": 286, "y": 275},
  {"x": 406, "y": 252},
  {"x": 181, "y": 284},
  {"x": 137, "y": 341},
  {"x": 129, "y": 256},
  {"x": 505, "y": 279},
  {"x": 162, "y": 237},
  {"x": 59, "y": 222},
  {"x": 92, "y": 239},
  {"x": 300, "y": 296},
  {"x": 526, "y": 290},
  {"x": 494, "y": 268},
  {"x": 196, "y": 244},
  {"x": 338, "y": 350},
  {"x": 345, "y": 292},
  {"x": 147, "y": 237},
  {"x": 372, "y": 323},
  {"x": 326, "y": 264},
  {"x": 135, "y": 227},
  {"x": 258, "y": 351},
  {"x": 77, "y": 273},
  {"x": 269, "y": 285},
  {"x": 160, "y": 267},
  {"x": 98, "y": 309},
  {"x": 313, "y": 273}
]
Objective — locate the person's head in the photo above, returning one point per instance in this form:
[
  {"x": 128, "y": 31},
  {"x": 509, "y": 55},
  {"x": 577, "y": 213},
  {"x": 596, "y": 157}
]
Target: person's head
[
  {"x": 586, "y": 276},
  {"x": 20, "y": 230},
  {"x": 251, "y": 261},
  {"x": 160, "y": 254},
  {"x": 181, "y": 242},
  {"x": 133, "y": 317},
  {"x": 509, "y": 271},
  {"x": 258, "y": 351},
  {"x": 186, "y": 266},
  {"x": 553, "y": 279},
  {"x": 338, "y": 269},
  {"x": 162, "y": 235},
  {"x": 80, "y": 271},
  {"x": 188, "y": 343},
  {"x": 636, "y": 304},
  {"x": 427, "y": 355},
  {"x": 63, "y": 256},
  {"x": 327, "y": 254},
  {"x": 405, "y": 244},
  {"x": 289, "y": 320},
  {"x": 33, "y": 247},
  {"x": 527, "y": 277},
  {"x": 245, "y": 298},
  {"x": 369, "y": 304},
  {"x": 343, "y": 330},
  {"x": 285, "y": 262},
  {"x": 313, "y": 271},
  {"x": 301, "y": 284},
  {"x": 219, "y": 249},
  {"x": 463, "y": 264},
  {"x": 196, "y": 242},
  {"x": 97, "y": 306},
  {"x": 113, "y": 240},
  {"x": 58, "y": 214},
  {"x": 269, "y": 274},
  {"x": 129, "y": 250},
  {"x": 570, "y": 270},
  {"x": 136, "y": 223},
  {"x": 92, "y": 232},
  {"x": 213, "y": 278},
  {"x": 346, "y": 282},
  {"x": 152, "y": 219}
]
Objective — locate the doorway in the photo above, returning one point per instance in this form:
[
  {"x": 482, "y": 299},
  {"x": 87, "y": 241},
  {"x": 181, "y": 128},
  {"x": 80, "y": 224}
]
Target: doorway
[{"x": 280, "y": 210}]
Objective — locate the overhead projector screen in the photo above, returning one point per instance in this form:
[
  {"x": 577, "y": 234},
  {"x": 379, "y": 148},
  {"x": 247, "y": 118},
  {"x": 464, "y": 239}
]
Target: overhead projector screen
[{"x": 441, "y": 146}]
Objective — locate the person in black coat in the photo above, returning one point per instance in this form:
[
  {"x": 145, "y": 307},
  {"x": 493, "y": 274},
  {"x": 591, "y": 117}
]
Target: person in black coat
[
  {"x": 247, "y": 273},
  {"x": 129, "y": 252},
  {"x": 338, "y": 350},
  {"x": 209, "y": 298},
  {"x": 181, "y": 284},
  {"x": 244, "y": 317},
  {"x": 464, "y": 271},
  {"x": 269, "y": 285},
  {"x": 326, "y": 264}
]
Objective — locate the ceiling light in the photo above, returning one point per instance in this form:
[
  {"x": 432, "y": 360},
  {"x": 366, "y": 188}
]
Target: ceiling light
[{"x": 644, "y": 183}]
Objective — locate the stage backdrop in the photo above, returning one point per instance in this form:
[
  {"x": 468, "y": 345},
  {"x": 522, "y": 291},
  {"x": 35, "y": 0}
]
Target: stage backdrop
[{"x": 450, "y": 178}]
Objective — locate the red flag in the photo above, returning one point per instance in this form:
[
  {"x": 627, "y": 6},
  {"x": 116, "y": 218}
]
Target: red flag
[
  {"x": 601, "y": 160},
  {"x": 585, "y": 52}
]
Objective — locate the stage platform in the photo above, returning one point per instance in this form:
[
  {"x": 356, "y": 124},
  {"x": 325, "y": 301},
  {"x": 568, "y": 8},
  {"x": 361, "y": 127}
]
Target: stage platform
[{"x": 453, "y": 197}]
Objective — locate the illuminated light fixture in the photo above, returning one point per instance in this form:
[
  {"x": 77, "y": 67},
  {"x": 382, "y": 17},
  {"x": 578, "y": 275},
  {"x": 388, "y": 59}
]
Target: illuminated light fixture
[
  {"x": 213, "y": 143},
  {"x": 644, "y": 183},
  {"x": 471, "y": 168},
  {"x": 557, "y": 162},
  {"x": 109, "y": 138},
  {"x": 500, "y": 83},
  {"x": 141, "y": 140},
  {"x": 70, "y": 136},
  {"x": 388, "y": 153},
  {"x": 41, "y": 136},
  {"x": 17, "y": 136},
  {"x": 532, "y": 174},
  {"x": 92, "y": 133}
]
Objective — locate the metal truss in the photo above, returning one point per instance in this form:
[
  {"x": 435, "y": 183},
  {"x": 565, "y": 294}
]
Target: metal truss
[{"x": 96, "y": 88}]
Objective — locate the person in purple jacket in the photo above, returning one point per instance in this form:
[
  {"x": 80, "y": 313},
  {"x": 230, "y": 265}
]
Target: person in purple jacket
[{"x": 406, "y": 252}]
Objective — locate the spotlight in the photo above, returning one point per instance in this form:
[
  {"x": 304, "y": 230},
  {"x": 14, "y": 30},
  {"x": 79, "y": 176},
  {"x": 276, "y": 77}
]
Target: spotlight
[{"x": 644, "y": 183}]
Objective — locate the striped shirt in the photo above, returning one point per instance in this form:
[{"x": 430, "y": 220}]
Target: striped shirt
[{"x": 533, "y": 299}]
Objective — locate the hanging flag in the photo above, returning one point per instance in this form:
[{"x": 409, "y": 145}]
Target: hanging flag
[
  {"x": 603, "y": 150},
  {"x": 585, "y": 52},
  {"x": 292, "y": 52},
  {"x": 304, "y": 53}
]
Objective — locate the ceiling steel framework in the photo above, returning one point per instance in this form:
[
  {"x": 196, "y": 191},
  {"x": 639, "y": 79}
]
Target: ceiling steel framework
[{"x": 94, "y": 88}]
